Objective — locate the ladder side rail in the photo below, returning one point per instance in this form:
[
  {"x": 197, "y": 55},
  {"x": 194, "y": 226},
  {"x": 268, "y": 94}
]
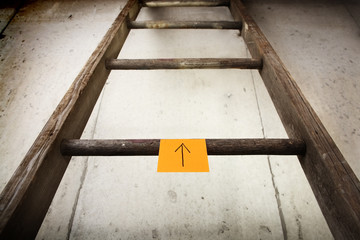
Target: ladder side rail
[
  {"x": 335, "y": 186},
  {"x": 28, "y": 194}
]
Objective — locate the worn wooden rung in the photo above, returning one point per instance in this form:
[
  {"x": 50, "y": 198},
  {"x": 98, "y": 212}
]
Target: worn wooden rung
[
  {"x": 183, "y": 63},
  {"x": 184, "y": 3},
  {"x": 184, "y": 25},
  {"x": 150, "y": 147}
]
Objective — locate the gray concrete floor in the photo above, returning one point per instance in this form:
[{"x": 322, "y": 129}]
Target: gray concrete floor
[{"x": 48, "y": 42}]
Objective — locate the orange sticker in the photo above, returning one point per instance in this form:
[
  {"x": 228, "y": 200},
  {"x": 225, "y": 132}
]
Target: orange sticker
[{"x": 183, "y": 155}]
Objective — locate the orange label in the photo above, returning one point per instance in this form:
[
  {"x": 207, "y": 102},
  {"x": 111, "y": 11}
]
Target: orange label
[{"x": 183, "y": 155}]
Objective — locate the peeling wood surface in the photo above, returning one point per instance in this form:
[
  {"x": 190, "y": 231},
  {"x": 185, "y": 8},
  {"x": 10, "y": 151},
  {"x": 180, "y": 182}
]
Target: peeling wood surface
[
  {"x": 27, "y": 196},
  {"x": 184, "y": 63},
  {"x": 332, "y": 180}
]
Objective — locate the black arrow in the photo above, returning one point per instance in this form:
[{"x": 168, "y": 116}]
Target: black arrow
[{"x": 182, "y": 152}]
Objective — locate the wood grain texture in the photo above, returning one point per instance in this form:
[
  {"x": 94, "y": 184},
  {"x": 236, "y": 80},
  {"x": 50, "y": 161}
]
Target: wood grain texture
[
  {"x": 150, "y": 147},
  {"x": 184, "y": 3},
  {"x": 333, "y": 182},
  {"x": 27, "y": 196},
  {"x": 184, "y": 25},
  {"x": 184, "y": 63}
]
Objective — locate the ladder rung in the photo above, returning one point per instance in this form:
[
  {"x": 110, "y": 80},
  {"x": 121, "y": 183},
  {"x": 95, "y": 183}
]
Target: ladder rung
[
  {"x": 185, "y": 24},
  {"x": 184, "y": 63},
  {"x": 150, "y": 147},
  {"x": 185, "y": 3}
]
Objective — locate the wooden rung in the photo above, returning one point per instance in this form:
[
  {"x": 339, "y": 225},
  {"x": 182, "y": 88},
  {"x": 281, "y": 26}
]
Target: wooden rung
[
  {"x": 184, "y": 3},
  {"x": 184, "y": 63},
  {"x": 185, "y": 25},
  {"x": 150, "y": 147}
]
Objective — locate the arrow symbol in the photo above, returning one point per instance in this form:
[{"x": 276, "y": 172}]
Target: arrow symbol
[{"x": 182, "y": 152}]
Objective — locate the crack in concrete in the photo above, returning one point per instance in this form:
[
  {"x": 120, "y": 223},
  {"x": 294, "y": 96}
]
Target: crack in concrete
[
  {"x": 278, "y": 201},
  {"x": 347, "y": 7},
  {"x": 17, "y": 7},
  {"x": 277, "y": 195},
  {"x": 82, "y": 180},
  {"x": 84, "y": 172}
]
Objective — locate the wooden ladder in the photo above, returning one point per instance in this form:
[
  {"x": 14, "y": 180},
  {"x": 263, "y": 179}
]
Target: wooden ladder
[{"x": 28, "y": 195}]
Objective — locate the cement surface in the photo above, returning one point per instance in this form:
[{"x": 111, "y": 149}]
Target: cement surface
[
  {"x": 42, "y": 53},
  {"x": 319, "y": 43},
  {"x": 47, "y": 44}
]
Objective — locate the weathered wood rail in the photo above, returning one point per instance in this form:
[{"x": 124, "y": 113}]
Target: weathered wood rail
[
  {"x": 333, "y": 182},
  {"x": 27, "y": 196}
]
